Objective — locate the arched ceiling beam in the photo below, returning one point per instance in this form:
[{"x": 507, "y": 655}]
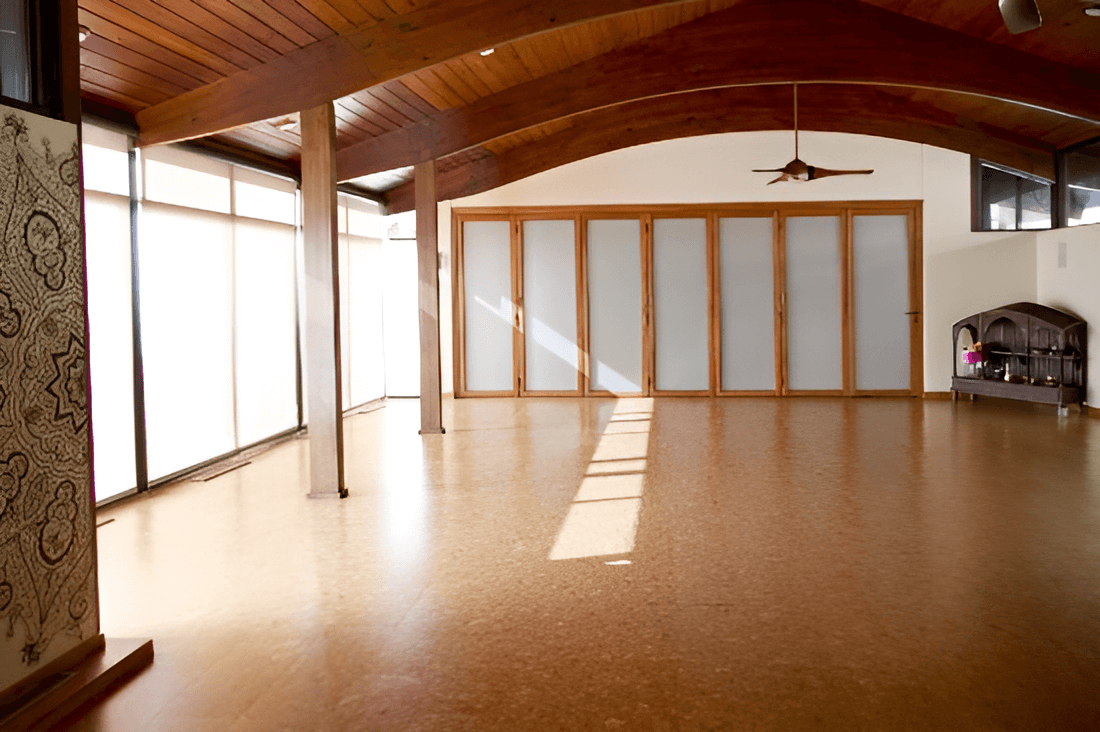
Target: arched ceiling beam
[
  {"x": 758, "y": 42},
  {"x": 887, "y": 112},
  {"x": 362, "y": 57}
]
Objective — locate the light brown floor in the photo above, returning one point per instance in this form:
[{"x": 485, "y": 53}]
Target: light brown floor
[{"x": 798, "y": 564}]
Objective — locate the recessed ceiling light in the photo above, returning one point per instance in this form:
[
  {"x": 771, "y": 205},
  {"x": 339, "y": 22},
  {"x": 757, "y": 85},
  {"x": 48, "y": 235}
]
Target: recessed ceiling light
[
  {"x": 1093, "y": 10},
  {"x": 85, "y": 31},
  {"x": 488, "y": 52},
  {"x": 285, "y": 124}
]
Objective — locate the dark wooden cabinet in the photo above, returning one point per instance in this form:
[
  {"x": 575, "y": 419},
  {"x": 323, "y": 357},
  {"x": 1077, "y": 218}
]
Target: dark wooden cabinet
[{"x": 1029, "y": 352}]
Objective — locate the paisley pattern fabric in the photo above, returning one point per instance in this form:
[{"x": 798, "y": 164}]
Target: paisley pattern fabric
[{"x": 48, "y": 600}]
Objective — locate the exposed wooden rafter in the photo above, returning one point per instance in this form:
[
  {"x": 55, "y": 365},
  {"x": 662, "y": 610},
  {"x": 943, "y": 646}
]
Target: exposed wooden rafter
[
  {"x": 362, "y": 56},
  {"x": 883, "y": 111},
  {"x": 755, "y": 43}
]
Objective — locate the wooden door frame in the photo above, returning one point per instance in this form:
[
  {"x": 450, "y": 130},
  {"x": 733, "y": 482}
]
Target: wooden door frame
[
  {"x": 796, "y": 211},
  {"x": 644, "y": 214},
  {"x": 913, "y": 211},
  {"x": 519, "y": 288},
  {"x": 585, "y": 215},
  {"x": 650, "y": 349},
  {"x": 778, "y": 284}
]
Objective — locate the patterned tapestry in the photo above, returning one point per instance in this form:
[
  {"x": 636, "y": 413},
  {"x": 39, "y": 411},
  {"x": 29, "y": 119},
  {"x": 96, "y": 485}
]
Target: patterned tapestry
[{"x": 48, "y": 600}]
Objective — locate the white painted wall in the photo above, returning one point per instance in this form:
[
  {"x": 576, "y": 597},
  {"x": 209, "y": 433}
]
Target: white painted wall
[
  {"x": 1074, "y": 288},
  {"x": 964, "y": 272}
]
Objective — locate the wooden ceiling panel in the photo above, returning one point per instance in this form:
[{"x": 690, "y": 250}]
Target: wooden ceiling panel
[
  {"x": 372, "y": 124},
  {"x": 91, "y": 60},
  {"x": 380, "y": 112},
  {"x": 173, "y": 33},
  {"x": 126, "y": 38},
  {"x": 100, "y": 47},
  {"x": 233, "y": 15},
  {"x": 288, "y": 17},
  {"x": 231, "y": 35},
  {"x": 133, "y": 90},
  {"x": 1067, "y": 34}
]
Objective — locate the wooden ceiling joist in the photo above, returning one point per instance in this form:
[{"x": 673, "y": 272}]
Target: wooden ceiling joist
[
  {"x": 758, "y": 42},
  {"x": 884, "y": 111},
  {"x": 360, "y": 56}
]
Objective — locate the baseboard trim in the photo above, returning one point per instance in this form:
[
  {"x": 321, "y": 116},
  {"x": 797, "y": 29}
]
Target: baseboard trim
[
  {"x": 95, "y": 676},
  {"x": 938, "y": 396}
]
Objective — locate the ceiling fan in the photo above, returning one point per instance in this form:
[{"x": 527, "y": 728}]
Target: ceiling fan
[
  {"x": 796, "y": 170},
  {"x": 1020, "y": 16}
]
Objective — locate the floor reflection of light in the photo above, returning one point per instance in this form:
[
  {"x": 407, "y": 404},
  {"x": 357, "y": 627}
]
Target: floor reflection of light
[{"x": 603, "y": 519}]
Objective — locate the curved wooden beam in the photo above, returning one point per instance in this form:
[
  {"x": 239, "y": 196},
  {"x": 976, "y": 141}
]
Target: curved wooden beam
[
  {"x": 886, "y": 112},
  {"x": 759, "y": 42},
  {"x": 362, "y": 57}
]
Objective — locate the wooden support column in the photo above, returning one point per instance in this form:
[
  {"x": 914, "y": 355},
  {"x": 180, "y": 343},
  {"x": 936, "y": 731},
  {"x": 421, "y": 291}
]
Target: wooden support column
[
  {"x": 322, "y": 337},
  {"x": 427, "y": 257}
]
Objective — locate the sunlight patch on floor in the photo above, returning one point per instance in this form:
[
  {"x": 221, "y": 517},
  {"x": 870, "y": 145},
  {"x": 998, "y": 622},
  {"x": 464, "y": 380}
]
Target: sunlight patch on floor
[{"x": 603, "y": 519}]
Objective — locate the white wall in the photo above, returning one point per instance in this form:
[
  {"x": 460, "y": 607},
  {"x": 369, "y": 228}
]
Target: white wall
[
  {"x": 965, "y": 272},
  {"x": 1073, "y": 288}
]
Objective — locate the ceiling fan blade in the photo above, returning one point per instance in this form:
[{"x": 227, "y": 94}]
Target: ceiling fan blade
[
  {"x": 777, "y": 180},
  {"x": 769, "y": 170},
  {"x": 816, "y": 172},
  {"x": 1020, "y": 16}
]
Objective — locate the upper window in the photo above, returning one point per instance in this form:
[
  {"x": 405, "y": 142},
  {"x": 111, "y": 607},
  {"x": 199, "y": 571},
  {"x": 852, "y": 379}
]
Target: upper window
[
  {"x": 1082, "y": 176},
  {"x": 1009, "y": 200},
  {"x": 15, "y": 53}
]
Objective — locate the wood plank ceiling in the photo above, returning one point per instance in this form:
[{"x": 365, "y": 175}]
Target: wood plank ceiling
[{"x": 142, "y": 53}]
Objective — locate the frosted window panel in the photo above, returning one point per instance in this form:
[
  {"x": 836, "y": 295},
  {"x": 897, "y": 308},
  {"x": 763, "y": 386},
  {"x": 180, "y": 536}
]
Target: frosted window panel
[
  {"x": 881, "y": 251},
  {"x": 345, "y": 322},
  {"x": 364, "y": 218},
  {"x": 368, "y": 362},
  {"x": 487, "y": 272},
  {"x": 262, "y": 196},
  {"x": 615, "y": 305},
  {"x": 186, "y": 272},
  {"x": 401, "y": 319},
  {"x": 110, "y": 339},
  {"x": 550, "y": 305},
  {"x": 186, "y": 179},
  {"x": 105, "y": 160},
  {"x": 680, "y": 304},
  {"x": 747, "y": 304},
  {"x": 813, "y": 303},
  {"x": 267, "y": 386}
]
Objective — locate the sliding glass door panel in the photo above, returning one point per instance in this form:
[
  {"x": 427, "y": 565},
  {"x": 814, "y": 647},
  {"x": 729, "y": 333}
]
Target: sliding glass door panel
[
  {"x": 881, "y": 291},
  {"x": 681, "y": 322},
  {"x": 487, "y": 277},
  {"x": 747, "y": 309},
  {"x": 615, "y": 305},
  {"x": 814, "y": 334},
  {"x": 550, "y": 305}
]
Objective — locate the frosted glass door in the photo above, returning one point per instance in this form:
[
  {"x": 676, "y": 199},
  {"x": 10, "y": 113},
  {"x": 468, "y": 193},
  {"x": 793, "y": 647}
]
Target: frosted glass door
[
  {"x": 747, "y": 308},
  {"x": 881, "y": 269},
  {"x": 615, "y": 305},
  {"x": 550, "y": 305},
  {"x": 814, "y": 360},
  {"x": 680, "y": 304},
  {"x": 487, "y": 274}
]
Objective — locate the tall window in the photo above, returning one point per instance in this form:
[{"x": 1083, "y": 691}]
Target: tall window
[
  {"x": 110, "y": 309},
  {"x": 361, "y": 285},
  {"x": 15, "y": 52},
  {"x": 217, "y": 272}
]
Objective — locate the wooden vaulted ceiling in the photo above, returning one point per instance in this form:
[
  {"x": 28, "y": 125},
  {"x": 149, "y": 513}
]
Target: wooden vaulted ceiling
[{"x": 573, "y": 78}]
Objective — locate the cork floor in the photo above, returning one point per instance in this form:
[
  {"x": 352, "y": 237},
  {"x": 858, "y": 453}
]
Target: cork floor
[{"x": 669, "y": 564}]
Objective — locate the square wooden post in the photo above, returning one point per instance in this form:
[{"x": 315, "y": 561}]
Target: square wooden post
[
  {"x": 427, "y": 257},
  {"x": 321, "y": 241}
]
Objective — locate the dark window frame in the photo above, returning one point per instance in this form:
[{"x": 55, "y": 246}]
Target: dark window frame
[
  {"x": 978, "y": 211},
  {"x": 44, "y": 25}
]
